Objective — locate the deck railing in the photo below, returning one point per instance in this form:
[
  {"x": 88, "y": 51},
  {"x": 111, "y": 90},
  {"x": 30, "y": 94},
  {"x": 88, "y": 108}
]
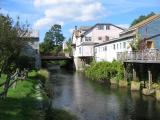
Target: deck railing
[{"x": 148, "y": 55}]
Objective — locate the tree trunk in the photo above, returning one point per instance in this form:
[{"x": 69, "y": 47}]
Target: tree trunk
[{"x": 6, "y": 86}]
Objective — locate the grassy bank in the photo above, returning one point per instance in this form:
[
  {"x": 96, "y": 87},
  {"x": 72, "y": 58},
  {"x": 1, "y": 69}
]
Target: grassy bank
[
  {"x": 22, "y": 102},
  {"x": 25, "y": 102},
  {"x": 59, "y": 114}
]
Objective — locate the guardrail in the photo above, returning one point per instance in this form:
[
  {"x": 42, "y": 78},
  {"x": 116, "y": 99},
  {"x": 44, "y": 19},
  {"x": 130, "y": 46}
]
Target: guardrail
[{"x": 148, "y": 55}]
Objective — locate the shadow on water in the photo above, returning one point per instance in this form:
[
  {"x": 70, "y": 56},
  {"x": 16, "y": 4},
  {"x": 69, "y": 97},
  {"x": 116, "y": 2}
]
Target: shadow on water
[{"x": 90, "y": 100}]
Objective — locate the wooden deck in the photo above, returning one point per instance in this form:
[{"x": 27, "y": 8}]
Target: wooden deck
[{"x": 145, "y": 56}]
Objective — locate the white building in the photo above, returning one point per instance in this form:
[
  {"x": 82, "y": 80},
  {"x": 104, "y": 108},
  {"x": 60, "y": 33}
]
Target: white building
[
  {"x": 32, "y": 48},
  {"x": 85, "y": 38},
  {"x": 108, "y": 51}
]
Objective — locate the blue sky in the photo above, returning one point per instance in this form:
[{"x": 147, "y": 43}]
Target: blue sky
[{"x": 42, "y": 14}]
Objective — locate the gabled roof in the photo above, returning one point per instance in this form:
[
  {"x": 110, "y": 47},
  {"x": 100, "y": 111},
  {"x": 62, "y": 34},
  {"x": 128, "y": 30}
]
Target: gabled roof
[
  {"x": 84, "y": 28},
  {"x": 101, "y": 24},
  {"x": 144, "y": 22},
  {"x": 81, "y": 28}
]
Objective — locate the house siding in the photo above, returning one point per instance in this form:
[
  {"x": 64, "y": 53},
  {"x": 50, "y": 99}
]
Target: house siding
[
  {"x": 151, "y": 29},
  {"x": 112, "y": 48}
]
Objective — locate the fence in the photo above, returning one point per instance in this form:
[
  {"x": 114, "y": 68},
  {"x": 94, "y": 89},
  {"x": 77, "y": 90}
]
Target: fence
[{"x": 12, "y": 81}]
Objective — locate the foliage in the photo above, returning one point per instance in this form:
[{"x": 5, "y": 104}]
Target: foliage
[
  {"x": 69, "y": 47},
  {"x": 12, "y": 40},
  {"x": 135, "y": 44},
  {"x": 24, "y": 61},
  {"x": 141, "y": 18},
  {"x": 62, "y": 63},
  {"x": 57, "y": 114},
  {"x": 53, "y": 41},
  {"x": 105, "y": 70},
  {"x": 44, "y": 73},
  {"x": 118, "y": 66},
  {"x": 46, "y": 47}
]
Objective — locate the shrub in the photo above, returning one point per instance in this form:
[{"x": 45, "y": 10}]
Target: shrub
[{"x": 105, "y": 70}]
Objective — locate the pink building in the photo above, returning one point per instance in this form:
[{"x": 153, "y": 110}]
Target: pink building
[{"x": 85, "y": 38}]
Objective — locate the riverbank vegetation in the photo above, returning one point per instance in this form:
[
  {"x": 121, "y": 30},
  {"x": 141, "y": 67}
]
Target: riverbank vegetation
[
  {"x": 58, "y": 114},
  {"x": 105, "y": 71},
  {"x": 22, "y": 103}
]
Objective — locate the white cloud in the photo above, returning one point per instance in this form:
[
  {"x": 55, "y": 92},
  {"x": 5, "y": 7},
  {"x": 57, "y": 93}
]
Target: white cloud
[
  {"x": 71, "y": 30},
  {"x": 68, "y": 11},
  {"x": 46, "y": 22},
  {"x": 39, "y": 3},
  {"x": 63, "y": 11}
]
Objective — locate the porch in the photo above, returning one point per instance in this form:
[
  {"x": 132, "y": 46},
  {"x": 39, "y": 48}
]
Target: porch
[{"x": 145, "y": 56}]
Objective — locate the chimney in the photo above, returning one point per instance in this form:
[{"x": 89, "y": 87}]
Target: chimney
[{"x": 75, "y": 27}]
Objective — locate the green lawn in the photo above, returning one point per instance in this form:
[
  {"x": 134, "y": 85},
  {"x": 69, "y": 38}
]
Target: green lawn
[{"x": 21, "y": 103}]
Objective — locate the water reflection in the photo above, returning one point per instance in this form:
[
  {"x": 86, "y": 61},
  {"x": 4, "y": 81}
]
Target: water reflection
[{"x": 92, "y": 101}]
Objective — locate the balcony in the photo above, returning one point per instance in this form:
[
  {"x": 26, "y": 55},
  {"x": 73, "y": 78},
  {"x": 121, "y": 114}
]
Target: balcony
[{"x": 145, "y": 56}]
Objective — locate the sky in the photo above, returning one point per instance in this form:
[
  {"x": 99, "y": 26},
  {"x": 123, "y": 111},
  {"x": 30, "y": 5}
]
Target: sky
[{"x": 42, "y": 14}]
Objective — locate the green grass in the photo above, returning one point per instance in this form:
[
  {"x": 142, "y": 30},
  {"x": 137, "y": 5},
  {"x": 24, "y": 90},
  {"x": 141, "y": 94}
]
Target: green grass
[
  {"x": 21, "y": 103},
  {"x": 2, "y": 78},
  {"x": 57, "y": 114}
]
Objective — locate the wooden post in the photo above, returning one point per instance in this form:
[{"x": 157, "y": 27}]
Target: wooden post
[
  {"x": 125, "y": 72},
  {"x": 150, "y": 78},
  {"x": 134, "y": 74},
  {"x": 14, "y": 85}
]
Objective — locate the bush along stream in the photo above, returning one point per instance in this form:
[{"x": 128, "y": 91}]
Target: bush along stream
[{"x": 110, "y": 72}]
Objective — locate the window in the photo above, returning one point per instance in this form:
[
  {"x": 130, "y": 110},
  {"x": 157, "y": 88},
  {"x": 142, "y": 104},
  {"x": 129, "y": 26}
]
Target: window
[
  {"x": 105, "y": 48},
  {"x": 107, "y": 38},
  {"x": 95, "y": 50},
  {"x": 87, "y": 38},
  {"x": 120, "y": 46},
  {"x": 117, "y": 46},
  {"x": 99, "y": 38},
  {"x": 81, "y": 39},
  {"x": 124, "y": 44},
  {"x": 80, "y": 50},
  {"x": 114, "y": 46},
  {"x": 100, "y": 27},
  {"x": 36, "y": 51},
  {"x": 108, "y": 27}
]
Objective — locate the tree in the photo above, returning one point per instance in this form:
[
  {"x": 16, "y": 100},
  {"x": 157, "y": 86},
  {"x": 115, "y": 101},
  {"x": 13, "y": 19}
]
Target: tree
[
  {"x": 141, "y": 18},
  {"x": 53, "y": 40},
  {"x": 69, "y": 47},
  {"x": 46, "y": 47},
  {"x": 13, "y": 38},
  {"x": 136, "y": 43}
]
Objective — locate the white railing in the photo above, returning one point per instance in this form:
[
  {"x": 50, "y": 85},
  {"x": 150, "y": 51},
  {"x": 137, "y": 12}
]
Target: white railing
[{"x": 145, "y": 55}]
